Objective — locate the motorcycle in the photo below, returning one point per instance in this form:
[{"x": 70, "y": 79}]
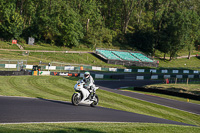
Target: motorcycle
[{"x": 83, "y": 95}]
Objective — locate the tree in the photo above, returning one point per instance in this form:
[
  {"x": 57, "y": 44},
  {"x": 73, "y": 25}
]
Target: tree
[
  {"x": 11, "y": 24},
  {"x": 172, "y": 30},
  {"x": 70, "y": 27},
  {"x": 191, "y": 24}
]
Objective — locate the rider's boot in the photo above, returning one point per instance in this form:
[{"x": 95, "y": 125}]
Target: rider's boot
[{"x": 93, "y": 96}]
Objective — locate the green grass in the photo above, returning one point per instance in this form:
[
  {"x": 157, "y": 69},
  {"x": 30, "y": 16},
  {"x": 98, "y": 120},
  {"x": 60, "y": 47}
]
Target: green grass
[
  {"x": 41, "y": 46},
  {"x": 60, "y": 88},
  {"x": 7, "y": 45},
  {"x": 193, "y": 89},
  {"x": 49, "y": 47},
  {"x": 90, "y": 59},
  {"x": 35, "y": 58},
  {"x": 193, "y": 63},
  {"x": 183, "y": 52},
  {"x": 96, "y": 128}
]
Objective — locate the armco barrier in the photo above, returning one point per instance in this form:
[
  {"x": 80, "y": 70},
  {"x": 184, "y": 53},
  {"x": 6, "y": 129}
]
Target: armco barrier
[
  {"x": 44, "y": 72},
  {"x": 29, "y": 66},
  {"x": 2, "y": 65},
  {"x": 99, "y": 76},
  {"x": 154, "y": 77},
  {"x": 10, "y": 65},
  {"x": 140, "y": 77},
  {"x": 113, "y": 69},
  {"x": 63, "y": 74},
  {"x": 54, "y": 73},
  {"x": 35, "y": 73},
  {"x": 105, "y": 69},
  {"x": 14, "y": 73},
  {"x": 50, "y": 67},
  {"x": 153, "y": 70},
  {"x": 96, "y": 68},
  {"x": 179, "y": 76},
  {"x": 127, "y": 70},
  {"x": 117, "y": 76},
  {"x": 162, "y": 72},
  {"x": 120, "y": 70},
  {"x": 59, "y": 68}
]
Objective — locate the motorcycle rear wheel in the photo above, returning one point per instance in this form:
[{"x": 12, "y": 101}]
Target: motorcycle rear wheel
[
  {"x": 95, "y": 102},
  {"x": 75, "y": 99}
]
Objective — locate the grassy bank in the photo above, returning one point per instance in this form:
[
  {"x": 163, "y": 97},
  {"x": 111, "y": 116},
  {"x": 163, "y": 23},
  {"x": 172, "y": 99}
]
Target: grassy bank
[
  {"x": 193, "y": 63},
  {"x": 34, "y": 58},
  {"x": 192, "y": 88},
  {"x": 89, "y": 59},
  {"x": 60, "y": 88},
  {"x": 97, "y": 128}
]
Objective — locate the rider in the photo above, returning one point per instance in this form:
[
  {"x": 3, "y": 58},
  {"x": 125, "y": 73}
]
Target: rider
[{"x": 89, "y": 82}]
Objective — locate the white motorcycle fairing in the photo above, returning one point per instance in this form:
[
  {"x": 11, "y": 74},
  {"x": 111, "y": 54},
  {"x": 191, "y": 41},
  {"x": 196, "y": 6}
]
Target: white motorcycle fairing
[{"x": 82, "y": 94}]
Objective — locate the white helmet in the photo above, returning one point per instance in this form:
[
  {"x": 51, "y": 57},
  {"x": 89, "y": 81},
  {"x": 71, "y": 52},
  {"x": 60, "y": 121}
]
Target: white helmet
[{"x": 87, "y": 75}]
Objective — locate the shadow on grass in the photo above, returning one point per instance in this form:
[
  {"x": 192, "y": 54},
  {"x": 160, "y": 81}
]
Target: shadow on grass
[
  {"x": 74, "y": 130},
  {"x": 179, "y": 92},
  {"x": 176, "y": 89},
  {"x": 49, "y": 130},
  {"x": 198, "y": 57}
]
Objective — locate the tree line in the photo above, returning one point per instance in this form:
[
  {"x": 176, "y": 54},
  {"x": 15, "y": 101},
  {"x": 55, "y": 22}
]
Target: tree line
[{"x": 148, "y": 25}]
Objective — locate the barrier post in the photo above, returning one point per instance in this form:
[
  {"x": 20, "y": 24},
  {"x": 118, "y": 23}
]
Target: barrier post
[{"x": 176, "y": 81}]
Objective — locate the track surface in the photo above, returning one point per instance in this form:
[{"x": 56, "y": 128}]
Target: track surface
[
  {"x": 113, "y": 85},
  {"x": 20, "y": 110}
]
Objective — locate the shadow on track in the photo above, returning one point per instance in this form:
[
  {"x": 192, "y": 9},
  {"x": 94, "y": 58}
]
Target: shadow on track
[{"x": 55, "y": 101}]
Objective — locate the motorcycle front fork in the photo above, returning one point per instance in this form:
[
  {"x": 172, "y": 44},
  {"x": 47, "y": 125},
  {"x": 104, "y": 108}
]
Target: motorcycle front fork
[{"x": 91, "y": 95}]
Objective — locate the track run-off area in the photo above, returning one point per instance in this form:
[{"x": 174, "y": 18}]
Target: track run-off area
[{"x": 41, "y": 109}]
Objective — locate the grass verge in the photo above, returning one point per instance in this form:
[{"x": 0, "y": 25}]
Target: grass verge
[
  {"x": 192, "y": 89},
  {"x": 96, "y": 128},
  {"x": 192, "y": 63},
  {"x": 61, "y": 88}
]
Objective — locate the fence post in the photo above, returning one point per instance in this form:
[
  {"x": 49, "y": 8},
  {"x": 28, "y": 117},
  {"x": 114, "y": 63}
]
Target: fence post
[{"x": 176, "y": 81}]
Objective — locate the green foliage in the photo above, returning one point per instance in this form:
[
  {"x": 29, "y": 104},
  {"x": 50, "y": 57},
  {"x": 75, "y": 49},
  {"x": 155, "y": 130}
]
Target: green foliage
[
  {"x": 71, "y": 30},
  {"x": 148, "y": 25},
  {"x": 11, "y": 24}
]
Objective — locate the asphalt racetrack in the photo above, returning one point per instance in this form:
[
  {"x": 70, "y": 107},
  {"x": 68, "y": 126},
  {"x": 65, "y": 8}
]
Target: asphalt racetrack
[
  {"x": 23, "y": 110},
  {"x": 113, "y": 85}
]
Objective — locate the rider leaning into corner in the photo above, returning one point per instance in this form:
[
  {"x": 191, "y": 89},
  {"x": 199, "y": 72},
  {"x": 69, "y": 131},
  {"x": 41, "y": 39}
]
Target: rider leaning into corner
[{"x": 89, "y": 82}]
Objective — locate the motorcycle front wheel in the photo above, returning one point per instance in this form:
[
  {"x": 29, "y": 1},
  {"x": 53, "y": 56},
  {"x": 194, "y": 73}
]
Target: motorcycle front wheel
[
  {"x": 95, "y": 102},
  {"x": 75, "y": 99}
]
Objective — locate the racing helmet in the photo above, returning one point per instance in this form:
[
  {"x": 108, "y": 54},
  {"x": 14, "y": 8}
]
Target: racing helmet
[{"x": 87, "y": 75}]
